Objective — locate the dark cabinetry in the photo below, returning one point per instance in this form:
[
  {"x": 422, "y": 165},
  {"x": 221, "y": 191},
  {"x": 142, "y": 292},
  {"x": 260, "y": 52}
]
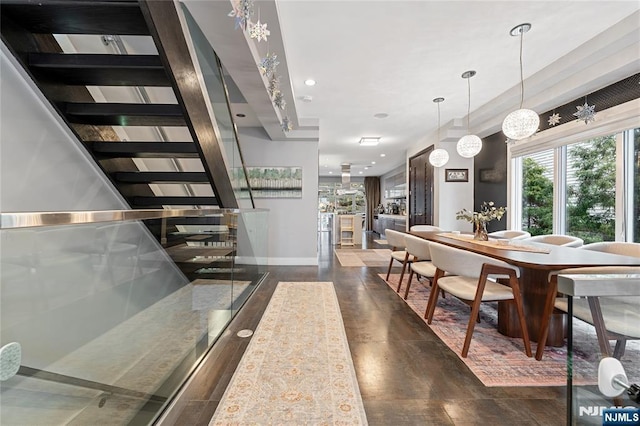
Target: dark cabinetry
[{"x": 383, "y": 222}]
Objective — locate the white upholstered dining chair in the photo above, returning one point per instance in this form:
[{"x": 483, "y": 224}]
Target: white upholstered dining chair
[
  {"x": 557, "y": 240},
  {"x": 511, "y": 234},
  {"x": 621, "y": 317},
  {"x": 471, "y": 277},
  {"x": 396, "y": 240},
  {"x": 425, "y": 228},
  {"x": 420, "y": 255}
]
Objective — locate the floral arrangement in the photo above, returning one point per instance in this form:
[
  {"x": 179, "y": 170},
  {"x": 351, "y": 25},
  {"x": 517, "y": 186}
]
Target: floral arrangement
[{"x": 488, "y": 212}]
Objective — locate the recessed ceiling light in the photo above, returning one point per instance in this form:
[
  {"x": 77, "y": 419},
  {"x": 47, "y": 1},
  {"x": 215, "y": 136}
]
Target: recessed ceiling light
[
  {"x": 366, "y": 167},
  {"x": 310, "y": 82},
  {"x": 330, "y": 173},
  {"x": 369, "y": 141},
  {"x": 383, "y": 155},
  {"x": 360, "y": 172},
  {"x": 381, "y": 115},
  {"x": 373, "y": 162}
]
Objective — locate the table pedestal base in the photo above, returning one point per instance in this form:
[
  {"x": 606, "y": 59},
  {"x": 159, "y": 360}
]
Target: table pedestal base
[
  {"x": 534, "y": 284},
  {"x": 509, "y": 325}
]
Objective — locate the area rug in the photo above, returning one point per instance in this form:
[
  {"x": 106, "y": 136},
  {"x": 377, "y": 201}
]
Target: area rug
[
  {"x": 498, "y": 360},
  {"x": 363, "y": 257},
  {"x": 297, "y": 369}
]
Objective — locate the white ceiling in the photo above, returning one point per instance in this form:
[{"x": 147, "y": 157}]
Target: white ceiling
[{"x": 394, "y": 57}]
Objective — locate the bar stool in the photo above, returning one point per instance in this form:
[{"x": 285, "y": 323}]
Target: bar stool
[{"x": 347, "y": 230}]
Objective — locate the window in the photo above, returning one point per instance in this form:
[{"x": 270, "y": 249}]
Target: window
[
  {"x": 589, "y": 189},
  {"x": 635, "y": 185},
  {"x": 537, "y": 193},
  {"x": 334, "y": 198},
  {"x": 590, "y": 181}
]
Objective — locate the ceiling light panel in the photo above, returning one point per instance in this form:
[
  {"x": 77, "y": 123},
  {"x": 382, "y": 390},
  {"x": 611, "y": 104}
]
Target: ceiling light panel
[{"x": 369, "y": 141}]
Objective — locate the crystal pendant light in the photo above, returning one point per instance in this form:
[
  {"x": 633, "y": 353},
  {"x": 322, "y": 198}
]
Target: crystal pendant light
[
  {"x": 438, "y": 157},
  {"x": 470, "y": 145},
  {"x": 522, "y": 123}
]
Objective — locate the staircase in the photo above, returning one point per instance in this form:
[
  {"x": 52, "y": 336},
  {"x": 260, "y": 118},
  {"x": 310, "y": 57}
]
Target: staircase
[{"x": 159, "y": 171}]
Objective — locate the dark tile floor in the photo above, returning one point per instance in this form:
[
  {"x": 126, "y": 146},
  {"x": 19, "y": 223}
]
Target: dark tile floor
[{"x": 405, "y": 373}]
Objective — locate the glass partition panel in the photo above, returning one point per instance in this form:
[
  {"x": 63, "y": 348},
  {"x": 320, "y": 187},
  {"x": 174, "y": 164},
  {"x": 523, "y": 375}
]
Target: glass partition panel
[
  {"x": 111, "y": 317},
  {"x": 603, "y": 349},
  {"x": 217, "y": 87}
]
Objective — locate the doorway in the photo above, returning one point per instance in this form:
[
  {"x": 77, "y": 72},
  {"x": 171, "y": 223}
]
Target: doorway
[{"x": 421, "y": 189}]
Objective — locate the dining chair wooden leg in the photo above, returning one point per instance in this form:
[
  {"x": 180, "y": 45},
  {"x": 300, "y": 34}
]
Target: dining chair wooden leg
[
  {"x": 404, "y": 268},
  {"x": 517, "y": 298},
  {"x": 475, "y": 311},
  {"x": 618, "y": 351},
  {"x": 598, "y": 324},
  {"x": 406, "y": 292},
  {"x": 389, "y": 270},
  {"x": 546, "y": 316},
  {"x": 433, "y": 296}
]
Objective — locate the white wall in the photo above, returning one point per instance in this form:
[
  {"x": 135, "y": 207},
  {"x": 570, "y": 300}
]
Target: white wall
[{"x": 293, "y": 222}]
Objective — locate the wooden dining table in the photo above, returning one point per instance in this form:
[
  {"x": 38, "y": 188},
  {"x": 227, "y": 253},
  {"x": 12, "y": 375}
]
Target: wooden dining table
[{"x": 535, "y": 267}]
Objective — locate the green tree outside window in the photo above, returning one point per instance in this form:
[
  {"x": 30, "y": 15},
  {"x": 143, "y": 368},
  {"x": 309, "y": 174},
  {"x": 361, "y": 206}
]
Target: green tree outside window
[
  {"x": 537, "y": 199},
  {"x": 591, "y": 199}
]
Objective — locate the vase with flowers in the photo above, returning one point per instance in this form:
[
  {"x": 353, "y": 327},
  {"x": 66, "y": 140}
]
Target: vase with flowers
[{"x": 488, "y": 212}]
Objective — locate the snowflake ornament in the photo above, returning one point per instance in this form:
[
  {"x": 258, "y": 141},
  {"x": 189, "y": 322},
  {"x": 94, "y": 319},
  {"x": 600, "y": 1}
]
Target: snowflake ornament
[
  {"x": 274, "y": 85},
  {"x": 286, "y": 124},
  {"x": 268, "y": 64},
  {"x": 278, "y": 100},
  {"x": 554, "y": 119},
  {"x": 585, "y": 112},
  {"x": 259, "y": 31},
  {"x": 242, "y": 11}
]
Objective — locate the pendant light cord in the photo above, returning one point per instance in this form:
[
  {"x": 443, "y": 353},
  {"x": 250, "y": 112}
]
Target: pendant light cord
[
  {"x": 469, "y": 104},
  {"x": 438, "y": 122},
  {"x": 521, "y": 72}
]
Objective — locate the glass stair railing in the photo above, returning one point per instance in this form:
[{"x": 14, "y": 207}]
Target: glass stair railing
[{"x": 113, "y": 310}]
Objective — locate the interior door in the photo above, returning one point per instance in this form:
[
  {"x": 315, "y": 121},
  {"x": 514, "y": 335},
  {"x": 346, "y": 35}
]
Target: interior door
[{"x": 421, "y": 189}]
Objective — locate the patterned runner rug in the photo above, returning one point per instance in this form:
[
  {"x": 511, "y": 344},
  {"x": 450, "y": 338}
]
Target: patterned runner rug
[
  {"x": 498, "y": 360},
  {"x": 360, "y": 257},
  {"x": 297, "y": 368}
]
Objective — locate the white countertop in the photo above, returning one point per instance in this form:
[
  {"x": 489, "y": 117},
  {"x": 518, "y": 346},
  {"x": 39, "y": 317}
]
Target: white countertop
[{"x": 392, "y": 216}]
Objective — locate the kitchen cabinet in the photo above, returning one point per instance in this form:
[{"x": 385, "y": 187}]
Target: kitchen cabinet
[
  {"x": 395, "y": 186},
  {"x": 390, "y": 221}
]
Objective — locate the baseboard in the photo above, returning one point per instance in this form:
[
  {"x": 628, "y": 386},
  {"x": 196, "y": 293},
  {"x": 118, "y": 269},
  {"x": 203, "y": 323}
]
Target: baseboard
[
  {"x": 289, "y": 261},
  {"x": 277, "y": 261}
]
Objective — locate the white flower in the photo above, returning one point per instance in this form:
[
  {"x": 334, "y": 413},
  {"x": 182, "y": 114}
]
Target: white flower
[{"x": 488, "y": 212}]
